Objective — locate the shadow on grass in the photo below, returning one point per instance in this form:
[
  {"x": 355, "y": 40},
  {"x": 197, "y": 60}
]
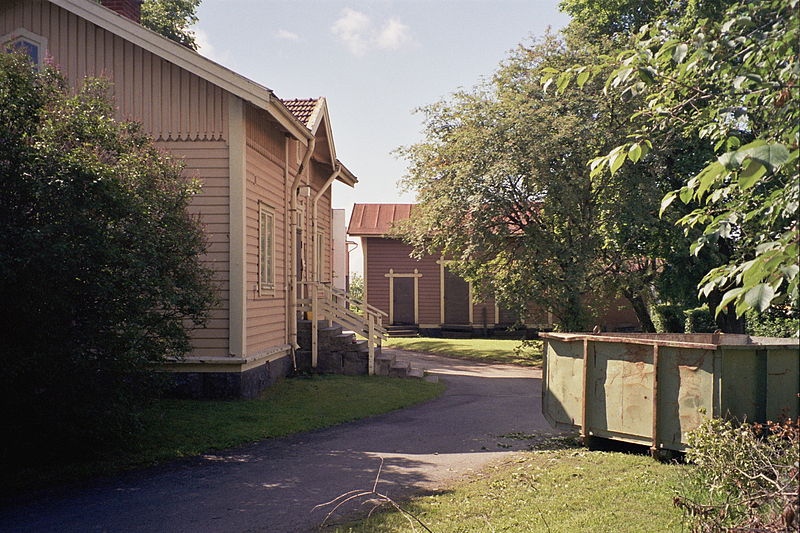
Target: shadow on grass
[{"x": 479, "y": 350}]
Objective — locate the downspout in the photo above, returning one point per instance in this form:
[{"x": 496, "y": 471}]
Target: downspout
[
  {"x": 292, "y": 274},
  {"x": 331, "y": 178}
]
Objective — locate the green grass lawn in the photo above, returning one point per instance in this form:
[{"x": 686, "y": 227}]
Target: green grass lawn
[
  {"x": 551, "y": 491},
  {"x": 183, "y": 428},
  {"x": 484, "y": 350}
]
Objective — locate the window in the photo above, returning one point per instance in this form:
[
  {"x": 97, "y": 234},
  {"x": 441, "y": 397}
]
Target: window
[
  {"x": 21, "y": 40},
  {"x": 266, "y": 248}
]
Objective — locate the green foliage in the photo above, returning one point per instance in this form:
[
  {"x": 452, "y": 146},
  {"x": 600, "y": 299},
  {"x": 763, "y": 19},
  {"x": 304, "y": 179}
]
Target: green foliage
[
  {"x": 172, "y": 19},
  {"x": 356, "y": 288},
  {"x": 699, "y": 320},
  {"x": 99, "y": 262},
  {"x": 548, "y": 491},
  {"x": 732, "y": 80},
  {"x": 668, "y": 318},
  {"x": 776, "y": 322},
  {"x": 604, "y": 17},
  {"x": 745, "y": 477},
  {"x": 503, "y": 189}
]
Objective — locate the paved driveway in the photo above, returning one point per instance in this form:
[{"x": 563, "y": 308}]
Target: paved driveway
[{"x": 273, "y": 485}]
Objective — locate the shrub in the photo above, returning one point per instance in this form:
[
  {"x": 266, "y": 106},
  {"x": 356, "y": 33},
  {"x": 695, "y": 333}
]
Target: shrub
[
  {"x": 775, "y": 322},
  {"x": 746, "y": 477},
  {"x": 100, "y": 276},
  {"x": 668, "y": 318},
  {"x": 699, "y": 320}
]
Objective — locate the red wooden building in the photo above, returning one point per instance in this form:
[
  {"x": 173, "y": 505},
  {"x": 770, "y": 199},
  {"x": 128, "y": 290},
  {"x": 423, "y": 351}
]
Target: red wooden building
[{"x": 425, "y": 295}]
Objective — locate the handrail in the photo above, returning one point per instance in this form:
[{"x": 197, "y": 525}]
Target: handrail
[
  {"x": 331, "y": 304},
  {"x": 358, "y": 302}
]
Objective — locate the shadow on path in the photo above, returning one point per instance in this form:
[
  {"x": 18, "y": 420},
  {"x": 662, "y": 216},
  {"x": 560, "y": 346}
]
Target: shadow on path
[{"x": 487, "y": 411}]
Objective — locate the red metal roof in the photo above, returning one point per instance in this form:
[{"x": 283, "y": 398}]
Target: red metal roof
[
  {"x": 302, "y": 108},
  {"x": 376, "y": 219}
]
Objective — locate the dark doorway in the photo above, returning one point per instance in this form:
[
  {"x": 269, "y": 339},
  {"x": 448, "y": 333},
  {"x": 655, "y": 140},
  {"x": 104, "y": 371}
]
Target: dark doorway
[
  {"x": 456, "y": 299},
  {"x": 403, "y": 305}
]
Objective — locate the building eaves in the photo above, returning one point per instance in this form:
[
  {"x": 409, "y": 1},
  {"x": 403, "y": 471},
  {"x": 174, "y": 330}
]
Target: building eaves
[{"x": 236, "y": 84}]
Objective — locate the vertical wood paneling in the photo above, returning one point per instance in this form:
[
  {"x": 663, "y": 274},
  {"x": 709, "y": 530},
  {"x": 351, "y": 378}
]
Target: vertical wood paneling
[
  {"x": 170, "y": 102},
  {"x": 383, "y": 254}
]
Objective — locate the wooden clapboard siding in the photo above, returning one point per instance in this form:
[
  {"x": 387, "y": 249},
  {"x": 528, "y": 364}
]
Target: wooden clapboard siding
[
  {"x": 170, "y": 102},
  {"x": 384, "y": 254},
  {"x": 483, "y": 310},
  {"x": 208, "y": 162},
  {"x": 266, "y": 184},
  {"x": 319, "y": 175}
]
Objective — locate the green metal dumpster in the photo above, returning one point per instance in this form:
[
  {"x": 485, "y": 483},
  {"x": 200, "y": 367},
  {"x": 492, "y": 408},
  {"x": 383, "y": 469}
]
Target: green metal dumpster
[{"x": 652, "y": 389}]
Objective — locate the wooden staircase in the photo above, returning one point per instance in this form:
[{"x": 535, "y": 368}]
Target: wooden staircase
[
  {"x": 343, "y": 335},
  {"x": 342, "y": 352}
]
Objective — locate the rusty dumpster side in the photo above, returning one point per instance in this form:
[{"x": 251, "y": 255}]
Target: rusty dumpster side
[{"x": 652, "y": 389}]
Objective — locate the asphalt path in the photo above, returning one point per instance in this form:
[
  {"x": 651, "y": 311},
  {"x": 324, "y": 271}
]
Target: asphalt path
[{"x": 274, "y": 485}]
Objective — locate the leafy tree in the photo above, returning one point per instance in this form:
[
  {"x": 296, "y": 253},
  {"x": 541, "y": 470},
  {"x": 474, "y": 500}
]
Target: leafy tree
[
  {"x": 100, "y": 273},
  {"x": 172, "y": 19},
  {"x": 732, "y": 81},
  {"x": 503, "y": 170}
]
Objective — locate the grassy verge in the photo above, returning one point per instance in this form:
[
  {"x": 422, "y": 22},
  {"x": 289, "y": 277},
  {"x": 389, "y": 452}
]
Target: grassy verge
[
  {"x": 549, "y": 491},
  {"x": 484, "y": 350},
  {"x": 183, "y": 428}
]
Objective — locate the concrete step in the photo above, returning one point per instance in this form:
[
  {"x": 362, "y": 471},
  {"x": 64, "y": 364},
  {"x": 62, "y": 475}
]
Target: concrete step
[
  {"x": 416, "y": 373},
  {"x": 383, "y": 364},
  {"x": 430, "y": 378},
  {"x": 400, "y": 369}
]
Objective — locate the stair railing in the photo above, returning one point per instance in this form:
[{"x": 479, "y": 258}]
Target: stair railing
[{"x": 336, "y": 306}]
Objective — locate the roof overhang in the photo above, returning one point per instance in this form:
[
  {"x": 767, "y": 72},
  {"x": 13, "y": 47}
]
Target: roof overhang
[
  {"x": 189, "y": 60},
  {"x": 345, "y": 176}
]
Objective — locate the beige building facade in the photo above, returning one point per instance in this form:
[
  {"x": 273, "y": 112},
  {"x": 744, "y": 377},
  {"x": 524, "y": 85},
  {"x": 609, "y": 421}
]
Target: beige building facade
[{"x": 266, "y": 167}]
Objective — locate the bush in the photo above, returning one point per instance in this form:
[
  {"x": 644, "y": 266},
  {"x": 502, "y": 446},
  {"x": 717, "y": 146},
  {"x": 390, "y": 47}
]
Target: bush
[
  {"x": 775, "y": 322},
  {"x": 746, "y": 477},
  {"x": 668, "y": 318},
  {"x": 100, "y": 275},
  {"x": 699, "y": 320}
]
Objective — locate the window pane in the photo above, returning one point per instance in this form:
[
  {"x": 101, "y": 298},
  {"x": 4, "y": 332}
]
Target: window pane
[
  {"x": 28, "y": 48},
  {"x": 269, "y": 249}
]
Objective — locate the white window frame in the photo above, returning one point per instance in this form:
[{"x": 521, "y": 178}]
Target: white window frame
[
  {"x": 266, "y": 257},
  {"x": 23, "y": 34}
]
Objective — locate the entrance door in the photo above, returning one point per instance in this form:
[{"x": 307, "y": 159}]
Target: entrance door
[
  {"x": 403, "y": 304},
  {"x": 456, "y": 299}
]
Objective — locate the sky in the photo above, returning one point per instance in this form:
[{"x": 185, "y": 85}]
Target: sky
[{"x": 375, "y": 62}]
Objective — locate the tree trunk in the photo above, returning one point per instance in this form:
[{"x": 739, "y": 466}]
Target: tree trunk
[
  {"x": 642, "y": 312},
  {"x": 573, "y": 317},
  {"x": 727, "y": 320}
]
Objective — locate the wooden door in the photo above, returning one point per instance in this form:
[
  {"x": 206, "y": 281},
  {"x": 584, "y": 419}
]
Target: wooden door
[
  {"x": 456, "y": 299},
  {"x": 403, "y": 304}
]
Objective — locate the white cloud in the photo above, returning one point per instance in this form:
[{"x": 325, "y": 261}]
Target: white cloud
[
  {"x": 356, "y": 30},
  {"x": 207, "y": 49},
  {"x": 352, "y": 28},
  {"x": 393, "y": 35},
  {"x": 286, "y": 35}
]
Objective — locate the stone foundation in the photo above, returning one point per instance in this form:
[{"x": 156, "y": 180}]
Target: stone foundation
[{"x": 229, "y": 385}]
